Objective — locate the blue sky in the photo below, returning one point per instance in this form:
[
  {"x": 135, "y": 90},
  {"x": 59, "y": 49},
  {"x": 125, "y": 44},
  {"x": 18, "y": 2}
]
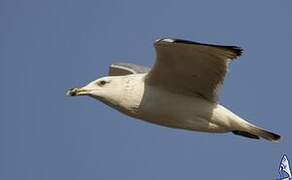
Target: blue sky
[{"x": 48, "y": 46}]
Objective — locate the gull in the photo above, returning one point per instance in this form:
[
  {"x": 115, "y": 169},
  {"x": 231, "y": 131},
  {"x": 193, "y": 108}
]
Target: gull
[{"x": 179, "y": 91}]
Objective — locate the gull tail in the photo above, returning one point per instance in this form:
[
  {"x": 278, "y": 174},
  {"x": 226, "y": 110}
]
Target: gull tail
[{"x": 254, "y": 132}]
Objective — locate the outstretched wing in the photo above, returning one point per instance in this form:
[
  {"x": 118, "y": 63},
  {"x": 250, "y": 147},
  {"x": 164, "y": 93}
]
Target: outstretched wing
[
  {"x": 191, "y": 68},
  {"x": 120, "y": 69}
]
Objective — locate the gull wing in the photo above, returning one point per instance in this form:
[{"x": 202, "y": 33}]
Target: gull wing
[
  {"x": 120, "y": 69},
  {"x": 191, "y": 68}
]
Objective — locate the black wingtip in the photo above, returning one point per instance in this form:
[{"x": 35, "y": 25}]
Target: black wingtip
[
  {"x": 245, "y": 134},
  {"x": 237, "y": 50},
  {"x": 234, "y": 49},
  {"x": 257, "y": 133},
  {"x": 276, "y": 137},
  {"x": 270, "y": 135}
]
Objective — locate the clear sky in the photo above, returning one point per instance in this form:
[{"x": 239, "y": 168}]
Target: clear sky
[{"x": 48, "y": 46}]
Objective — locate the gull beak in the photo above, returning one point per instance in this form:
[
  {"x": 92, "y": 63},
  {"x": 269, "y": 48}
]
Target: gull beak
[{"x": 77, "y": 92}]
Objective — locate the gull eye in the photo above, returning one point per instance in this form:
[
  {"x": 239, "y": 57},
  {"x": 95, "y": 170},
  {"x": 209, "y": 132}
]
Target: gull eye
[{"x": 102, "y": 82}]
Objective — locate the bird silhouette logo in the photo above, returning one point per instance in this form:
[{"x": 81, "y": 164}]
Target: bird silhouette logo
[{"x": 284, "y": 169}]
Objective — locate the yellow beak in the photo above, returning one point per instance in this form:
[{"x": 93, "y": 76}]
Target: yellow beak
[{"x": 77, "y": 92}]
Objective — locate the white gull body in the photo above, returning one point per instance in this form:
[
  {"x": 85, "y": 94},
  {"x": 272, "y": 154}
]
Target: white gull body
[
  {"x": 155, "y": 105},
  {"x": 180, "y": 91}
]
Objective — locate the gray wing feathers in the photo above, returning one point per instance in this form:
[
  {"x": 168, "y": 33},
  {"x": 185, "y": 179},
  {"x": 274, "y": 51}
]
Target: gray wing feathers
[
  {"x": 120, "y": 69},
  {"x": 191, "y": 68}
]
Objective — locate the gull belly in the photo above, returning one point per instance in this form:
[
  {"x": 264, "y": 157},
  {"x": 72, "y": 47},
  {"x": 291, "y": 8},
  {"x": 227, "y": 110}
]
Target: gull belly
[{"x": 159, "y": 106}]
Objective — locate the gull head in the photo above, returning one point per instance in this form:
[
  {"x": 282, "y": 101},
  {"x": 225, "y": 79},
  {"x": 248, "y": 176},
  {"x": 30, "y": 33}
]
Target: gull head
[{"x": 107, "y": 89}]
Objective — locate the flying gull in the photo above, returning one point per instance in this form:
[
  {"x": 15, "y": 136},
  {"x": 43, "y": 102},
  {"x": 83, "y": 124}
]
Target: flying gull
[{"x": 179, "y": 91}]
